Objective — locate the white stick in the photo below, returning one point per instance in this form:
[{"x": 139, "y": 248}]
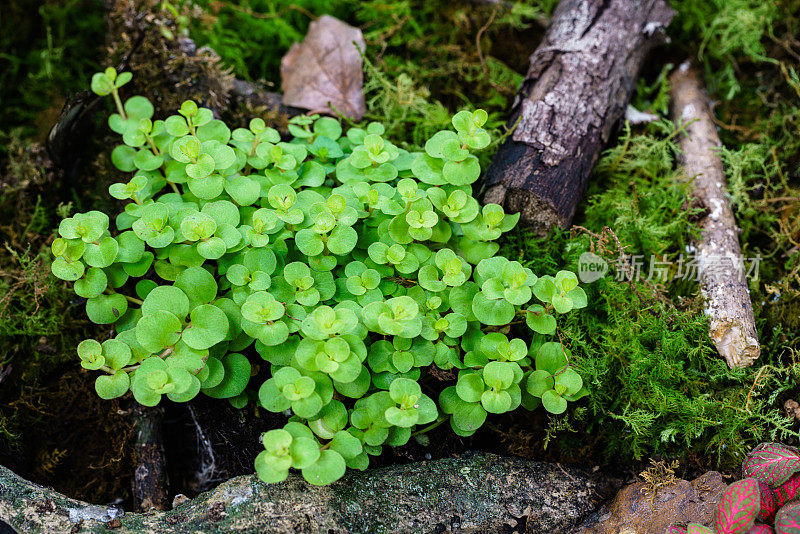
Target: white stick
[{"x": 720, "y": 263}]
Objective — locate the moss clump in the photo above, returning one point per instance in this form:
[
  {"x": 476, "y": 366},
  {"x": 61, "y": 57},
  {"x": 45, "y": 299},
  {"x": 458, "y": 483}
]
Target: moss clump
[
  {"x": 658, "y": 386},
  {"x": 424, "y": 60},
  {"x": 49, "y": 49},
  {"x": 32, "y": 302}
]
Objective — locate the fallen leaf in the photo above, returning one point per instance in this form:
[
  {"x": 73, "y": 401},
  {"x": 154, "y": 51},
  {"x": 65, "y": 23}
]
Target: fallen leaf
[{"x": 325, "y": 70}]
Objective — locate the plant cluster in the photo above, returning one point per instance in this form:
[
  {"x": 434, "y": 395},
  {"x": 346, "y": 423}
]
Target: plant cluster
[
  {"x": 765, "y": 501},
  {"x": 350, "y": 266}
]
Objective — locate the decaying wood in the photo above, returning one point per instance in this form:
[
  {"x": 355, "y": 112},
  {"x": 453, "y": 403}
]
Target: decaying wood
[
  {"x": 578, "y": 85},
  {"x": 150, "y": 486},
  {"x": 719, "y": 258},
  {"x": 474, "y": 493}
]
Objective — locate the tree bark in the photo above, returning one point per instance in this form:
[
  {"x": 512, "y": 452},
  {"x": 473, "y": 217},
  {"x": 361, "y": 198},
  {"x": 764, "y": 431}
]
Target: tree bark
[
  {"x": 719, "y": 258},
  {"x": 577, "y": 88},
  {"x": 150, "y": 486},
  {"x": 474, "y": 493}
]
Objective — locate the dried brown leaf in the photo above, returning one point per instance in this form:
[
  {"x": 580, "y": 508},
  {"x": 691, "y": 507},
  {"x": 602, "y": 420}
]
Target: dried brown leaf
[{"x": 325, "y": 70}]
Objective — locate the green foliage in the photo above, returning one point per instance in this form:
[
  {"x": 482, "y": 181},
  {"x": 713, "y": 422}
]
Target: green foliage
[
  {"x": 48, "y": 48},
  {"x": 346, "y": 263},
  {"x": 658, "y": 386},
  {"x": 420, "y": 61},
  {"x": 731, "y": 34}
]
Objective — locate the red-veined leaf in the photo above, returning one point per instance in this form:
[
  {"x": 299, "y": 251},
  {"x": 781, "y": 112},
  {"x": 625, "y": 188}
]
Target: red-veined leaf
[
  {"x": 694, "y": 528},
  {"x": 788, "y": 491},
  {"x": 771, "y": 463},
  {"x": 788, "y": 519},
  {"x": 768, "y": 503},
  {"x": 760, "y": 529},
  {"x": 738, "y": 508},
  {"x": 675, "y": 529}
]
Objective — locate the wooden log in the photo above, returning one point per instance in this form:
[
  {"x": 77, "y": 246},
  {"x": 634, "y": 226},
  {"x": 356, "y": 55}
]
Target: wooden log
[
  {"x": 474, "y": 493},
  {"x": 720, "y": 263},
  {"x": 150, "y": 486},
  {"x": 577, "y": 88}
]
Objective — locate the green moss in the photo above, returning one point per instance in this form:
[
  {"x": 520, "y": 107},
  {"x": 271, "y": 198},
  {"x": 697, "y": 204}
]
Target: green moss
[
  {"x": 422, "y": 58},
  {"x": 658, "y": 386},
  {"x": 732, "y": 34},
  {"x": 48, "y": 50}
]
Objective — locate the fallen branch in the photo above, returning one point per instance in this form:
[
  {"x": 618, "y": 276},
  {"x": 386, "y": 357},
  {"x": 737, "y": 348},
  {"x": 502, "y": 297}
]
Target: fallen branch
[
  {"x": 577, "y": 88},
  {"x": 150, "y": 487},
  {"x": 475, "y": 493},
  {"x": 719, "y": 258}
]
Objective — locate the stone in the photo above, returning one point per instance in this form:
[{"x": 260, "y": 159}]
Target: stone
[
  {"x": 637, "y": 509},
  {"x": 477, "y": 492}
]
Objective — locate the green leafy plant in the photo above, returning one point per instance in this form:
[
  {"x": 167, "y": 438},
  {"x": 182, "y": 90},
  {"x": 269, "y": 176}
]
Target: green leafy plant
[
  {"x": 348, "y": 265},
  {"x": 739, "y": 507}
]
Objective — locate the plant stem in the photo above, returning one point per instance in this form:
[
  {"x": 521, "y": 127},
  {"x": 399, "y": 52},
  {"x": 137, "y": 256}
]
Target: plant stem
[
  {"x": 431, "y": 426},
  {"x": 134, "y": 300},
  {"x": 118, "y": 102},
  {"x": 153, "y": 146}
]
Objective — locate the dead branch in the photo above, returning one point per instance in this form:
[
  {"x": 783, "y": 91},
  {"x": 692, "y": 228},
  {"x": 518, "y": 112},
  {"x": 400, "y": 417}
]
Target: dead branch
[
  {"x": 150, "y": 487},
  {"x": 721, "y": 267},
  {"x": 576, "y": 90}
]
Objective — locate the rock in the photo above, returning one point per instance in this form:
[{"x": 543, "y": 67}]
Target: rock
[
  {"x": 475, "y": 493},
  {"x": 637, "y": 510},
  {"x": 792, "y": 408}
]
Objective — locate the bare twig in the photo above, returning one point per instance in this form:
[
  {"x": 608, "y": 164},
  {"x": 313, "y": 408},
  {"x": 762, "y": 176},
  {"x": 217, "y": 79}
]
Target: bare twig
[{"x": 721, "y": 266}]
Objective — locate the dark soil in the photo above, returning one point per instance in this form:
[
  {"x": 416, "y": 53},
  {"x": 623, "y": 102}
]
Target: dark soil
[{"x": 73, "y": 440}]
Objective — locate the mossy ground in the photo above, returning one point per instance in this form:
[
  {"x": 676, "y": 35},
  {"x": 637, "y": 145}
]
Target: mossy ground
[{"x": 658, "y": 387}]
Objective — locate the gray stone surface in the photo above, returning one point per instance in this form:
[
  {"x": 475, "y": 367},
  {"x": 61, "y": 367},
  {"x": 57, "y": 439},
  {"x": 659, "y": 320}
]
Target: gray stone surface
[{"x": 474, "y": 493}]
